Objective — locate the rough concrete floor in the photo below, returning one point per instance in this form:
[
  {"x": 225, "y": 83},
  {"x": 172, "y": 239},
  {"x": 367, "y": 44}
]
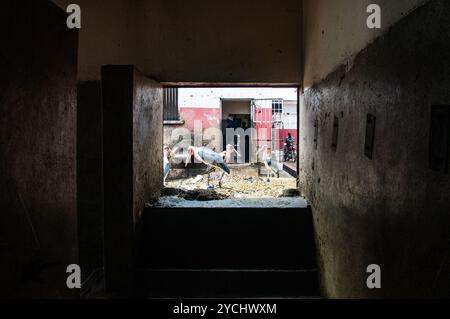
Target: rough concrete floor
[{"x": 177, "y": 202}]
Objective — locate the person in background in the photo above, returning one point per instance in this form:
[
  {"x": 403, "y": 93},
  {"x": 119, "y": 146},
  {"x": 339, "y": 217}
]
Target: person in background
[
  {"x": 290, "y": 140},
  {"x": 288, "y": 146}
]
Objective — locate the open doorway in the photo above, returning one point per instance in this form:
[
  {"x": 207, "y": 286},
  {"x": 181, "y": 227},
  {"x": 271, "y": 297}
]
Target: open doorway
[
  {"x": 231, "y": 145},
  {"x": 236, "y": 114}
]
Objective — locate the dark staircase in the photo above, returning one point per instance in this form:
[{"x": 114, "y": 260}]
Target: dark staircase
[{"x": 227, "y": 253}]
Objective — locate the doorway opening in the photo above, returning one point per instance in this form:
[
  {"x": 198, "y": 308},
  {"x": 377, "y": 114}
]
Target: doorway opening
[
  {"x": 237, "y": 114},
  {"x": 233, "y": 146}
]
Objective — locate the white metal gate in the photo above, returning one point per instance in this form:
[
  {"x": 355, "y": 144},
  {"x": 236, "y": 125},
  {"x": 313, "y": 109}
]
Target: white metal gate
[{"x": 269, "y": 127}]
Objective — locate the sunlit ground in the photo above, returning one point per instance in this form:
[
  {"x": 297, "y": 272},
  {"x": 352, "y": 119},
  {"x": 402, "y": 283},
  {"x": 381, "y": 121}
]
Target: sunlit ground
[{"x": 244, "y": 182}]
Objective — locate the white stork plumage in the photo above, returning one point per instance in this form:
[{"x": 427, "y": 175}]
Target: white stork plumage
[
  {"x": 230, "y": 150},
  {"x": 265, "y": 158},
  {"x": 166, "y": 163}
]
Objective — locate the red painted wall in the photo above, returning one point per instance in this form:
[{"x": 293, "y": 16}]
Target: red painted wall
[
  {"x": 210, "y": 117},
  {"x": 292, "y": 131}
]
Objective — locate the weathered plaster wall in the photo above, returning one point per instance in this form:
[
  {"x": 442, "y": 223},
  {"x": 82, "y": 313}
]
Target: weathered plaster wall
[
  {"x": 38, "y": 209},
  {"x": 147, "y": 141},
  {"x": 392, "y": 210},
  {"x": 193, "y": 41},
  {"x": 132, "y": 161},
  {"x": 336, "y": 30}
]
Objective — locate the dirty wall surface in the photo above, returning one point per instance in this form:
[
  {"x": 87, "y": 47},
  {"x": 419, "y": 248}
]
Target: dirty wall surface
[
  {"x": 391, "y": 210},
  {"x": 38, "y": 192}
]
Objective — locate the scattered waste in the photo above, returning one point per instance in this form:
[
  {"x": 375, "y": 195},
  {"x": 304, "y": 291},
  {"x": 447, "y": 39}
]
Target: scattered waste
[
  {"x": 291, "y": 192},
  {"x": 199, "y": 178},
  {"x": 248, "y": 179},
  {"x": 193, "y": 195},
  {"x": 241, "y": 183}
]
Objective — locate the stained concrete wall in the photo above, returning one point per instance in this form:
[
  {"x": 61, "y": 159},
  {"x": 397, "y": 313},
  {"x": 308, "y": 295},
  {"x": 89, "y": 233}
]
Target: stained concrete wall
[
  {"x": 38, "y": 64},
  {"x": 392, "y": 210},
  {"x": 147, "y": 141},
  {"x": 193, "y": 41},
  {"x": 336, "y": 30},
  {"x": 132, "y": 161}
]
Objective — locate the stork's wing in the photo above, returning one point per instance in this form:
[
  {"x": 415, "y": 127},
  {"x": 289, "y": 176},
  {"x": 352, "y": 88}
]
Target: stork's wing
[
  {"x": 224, "y": 167},
  {"x": 211, "y": 157}
]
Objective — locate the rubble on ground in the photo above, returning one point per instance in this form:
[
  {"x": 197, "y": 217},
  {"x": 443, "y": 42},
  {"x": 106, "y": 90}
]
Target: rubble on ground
[
  {"x": 291, "y": 192},
  {"x": 199, "y": 194},
  {"x": 241, "y": 183}
]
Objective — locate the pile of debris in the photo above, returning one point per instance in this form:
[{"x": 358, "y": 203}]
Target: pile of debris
[
  {"x": 199, "y": 194},
  {"x": 240, "y": 184}
]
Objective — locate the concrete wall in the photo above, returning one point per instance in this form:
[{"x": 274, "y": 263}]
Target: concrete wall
[
  {"x": 108, "y": 34},
  {"x": 38, "y": 227},
  {"x": 210, "y": 97},
  {"x": 391, "y": 210},
  {"x": 132, "y": 153},
  {"x": 147, "y": 141},
  {"x": 336, "y": 30},
  {"x": 193, "y": 41}
]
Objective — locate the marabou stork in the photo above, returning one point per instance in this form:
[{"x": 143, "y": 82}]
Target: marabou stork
[
  {"x": 210, "y": 158},
  {"x": 228, "y": 152},
  {"x": 166, "y": 163},
  {"x": 265, "y": 158}
]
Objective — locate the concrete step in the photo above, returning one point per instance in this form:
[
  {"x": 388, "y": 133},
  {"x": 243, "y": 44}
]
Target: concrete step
[
  {"x": 228, "y": 283},
  {"x": 184, "y": 238}
]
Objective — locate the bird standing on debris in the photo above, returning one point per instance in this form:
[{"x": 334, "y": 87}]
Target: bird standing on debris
[
  {"x": 229, "y": 152},
  {"x": 166, "y": 163},
  {"x": 267, "y": 161},
  {"x": 209, "y": 158}
]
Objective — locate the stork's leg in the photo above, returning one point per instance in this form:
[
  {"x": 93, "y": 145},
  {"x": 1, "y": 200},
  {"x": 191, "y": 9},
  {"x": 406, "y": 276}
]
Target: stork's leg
[
  {"x": 207, "y": 185},
  {"x": 268, "y": 170},
  {"x": 220, "y": 181},
  {"x": 210, "y": 168}
]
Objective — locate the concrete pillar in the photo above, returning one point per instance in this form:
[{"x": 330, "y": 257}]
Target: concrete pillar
[{"x": 133, "y": 110}]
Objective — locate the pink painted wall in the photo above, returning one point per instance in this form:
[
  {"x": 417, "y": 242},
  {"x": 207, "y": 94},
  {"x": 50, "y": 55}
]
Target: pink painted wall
[
  {"x": 263, "y": 115},
  {"x": 210, "y": 117}
]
